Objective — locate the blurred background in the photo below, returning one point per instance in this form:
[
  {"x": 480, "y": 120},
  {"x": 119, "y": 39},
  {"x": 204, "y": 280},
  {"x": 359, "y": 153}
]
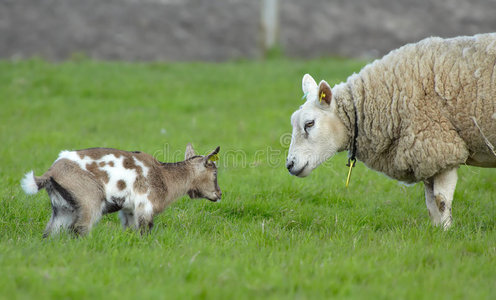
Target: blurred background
[{"x": 220, "y": 30}]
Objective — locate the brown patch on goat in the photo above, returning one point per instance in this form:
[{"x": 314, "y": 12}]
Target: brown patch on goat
[
  {"x": 97, "y": 153},
  {"x": 129, "y": 163},
  {"x": 140, "y": 185},
  {"x": 99, "y": 174},
  {"x": 102, "y": 164},
  {"x": 121, "y": 184}
]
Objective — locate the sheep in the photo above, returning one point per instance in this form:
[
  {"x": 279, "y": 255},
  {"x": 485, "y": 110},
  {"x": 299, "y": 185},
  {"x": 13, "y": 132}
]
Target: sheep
[
  {"x": 415, "y": 115},
  {"x": 85, "y": 184}
]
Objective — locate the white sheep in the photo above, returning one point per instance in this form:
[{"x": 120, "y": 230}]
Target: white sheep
[
  {"x": 415, "y": 115},
  {"x": 83, "y": 185}
]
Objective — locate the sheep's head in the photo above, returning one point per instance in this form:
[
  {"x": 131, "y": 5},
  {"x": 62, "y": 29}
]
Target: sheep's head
[
  {"x": 204, "y": 183},
  {"x": 318, "y": 133}
]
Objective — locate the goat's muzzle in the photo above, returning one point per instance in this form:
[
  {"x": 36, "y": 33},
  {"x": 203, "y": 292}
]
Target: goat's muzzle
[{"x": 218, "y": 197}]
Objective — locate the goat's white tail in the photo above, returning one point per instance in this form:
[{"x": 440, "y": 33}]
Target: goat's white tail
[{"x": 28, "y": 184}]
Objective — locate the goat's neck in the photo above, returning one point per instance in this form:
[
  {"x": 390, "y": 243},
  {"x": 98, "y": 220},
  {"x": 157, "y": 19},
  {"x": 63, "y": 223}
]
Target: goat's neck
[{"x": 178, "y": 177}]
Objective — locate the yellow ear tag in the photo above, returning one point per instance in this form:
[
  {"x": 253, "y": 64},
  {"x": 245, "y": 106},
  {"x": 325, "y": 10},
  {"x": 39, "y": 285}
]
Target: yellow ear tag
[
  {"x": 214, "y": 157},
  {"x": 351, "y": 165},
  {"x": 322, "y": 95}
]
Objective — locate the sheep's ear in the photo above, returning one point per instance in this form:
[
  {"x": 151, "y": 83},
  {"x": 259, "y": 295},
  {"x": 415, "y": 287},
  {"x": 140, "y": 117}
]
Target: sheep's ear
[
  {"x": 325, "y": 94},
  {"x": 308, "y": 85},
  {"x": 190, "y": 152},
  {"x": 213, "y": 155}
]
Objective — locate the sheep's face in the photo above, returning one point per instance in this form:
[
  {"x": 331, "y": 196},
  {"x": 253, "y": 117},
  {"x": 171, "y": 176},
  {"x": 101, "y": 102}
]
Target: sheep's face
[
  {"x": 318, "y": 133},
  {"x": 204, "y": 183}
]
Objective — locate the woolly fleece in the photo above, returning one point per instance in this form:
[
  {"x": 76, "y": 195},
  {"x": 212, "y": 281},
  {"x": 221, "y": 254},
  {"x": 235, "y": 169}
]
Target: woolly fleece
[{"x": 415, "y": 107}]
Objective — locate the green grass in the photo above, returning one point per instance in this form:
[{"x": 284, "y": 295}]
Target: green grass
[{"x": 272, "y": 236}]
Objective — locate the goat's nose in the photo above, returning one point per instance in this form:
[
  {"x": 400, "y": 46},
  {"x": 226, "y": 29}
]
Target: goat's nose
[{"x": 290, "y": 165}]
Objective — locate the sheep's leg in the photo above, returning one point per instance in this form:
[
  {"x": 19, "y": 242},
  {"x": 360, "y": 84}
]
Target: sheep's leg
[
  {"x": 430, "y": 202},
  {"x": 439, "y": 191},
  {"x": 444, "y": 189}
]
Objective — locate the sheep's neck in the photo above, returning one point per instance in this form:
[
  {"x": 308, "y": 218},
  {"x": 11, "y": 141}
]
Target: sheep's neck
[{"x": 347, "y": 112}]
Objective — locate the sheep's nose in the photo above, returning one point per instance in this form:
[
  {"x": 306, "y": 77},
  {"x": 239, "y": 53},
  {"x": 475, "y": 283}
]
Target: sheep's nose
[{"x": 289, "y": 165}]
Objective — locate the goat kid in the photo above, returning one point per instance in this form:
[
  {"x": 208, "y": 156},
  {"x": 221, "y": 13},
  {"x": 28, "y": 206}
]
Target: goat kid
[{"x": 85, "y": 184}]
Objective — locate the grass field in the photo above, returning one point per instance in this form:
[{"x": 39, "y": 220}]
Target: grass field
[{"x": 272, "y": 236}]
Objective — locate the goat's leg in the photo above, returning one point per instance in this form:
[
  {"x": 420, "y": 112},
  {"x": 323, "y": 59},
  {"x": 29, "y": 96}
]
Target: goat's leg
[
  {"x": 49, "y": 226},
  {"x": 82, "y": 225},
  {"x": 63, "y": 215},
  {"x": 143, "y": 218},
  {"x": 127, "y": 218},
  {"x": 81, "y": 198},
  {"x": 145, "y": 223},
  {"x": 87, "y": 216},
  {"x": 439, "y": 191}
]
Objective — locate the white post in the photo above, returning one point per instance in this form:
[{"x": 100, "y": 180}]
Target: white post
[{"x": 269, "y": 23}]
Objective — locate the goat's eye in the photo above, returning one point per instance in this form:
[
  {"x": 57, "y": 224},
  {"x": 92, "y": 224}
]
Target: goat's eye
[{"x": 309, "y": 124}]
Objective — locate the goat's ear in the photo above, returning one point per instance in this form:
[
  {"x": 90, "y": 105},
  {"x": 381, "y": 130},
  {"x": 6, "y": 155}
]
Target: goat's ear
[
  {"x": 325, "y": 94},
  {"x": 190, "y": 152},
  {"x": 213, "y": 155},
  {"x": 308, "y": 85}
]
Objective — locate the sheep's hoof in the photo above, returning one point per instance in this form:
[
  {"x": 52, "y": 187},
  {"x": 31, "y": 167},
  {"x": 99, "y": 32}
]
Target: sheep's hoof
[{"x": 447, "y": 223}]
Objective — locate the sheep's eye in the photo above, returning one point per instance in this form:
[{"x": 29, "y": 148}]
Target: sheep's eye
[{"x": 309, "y": 124}]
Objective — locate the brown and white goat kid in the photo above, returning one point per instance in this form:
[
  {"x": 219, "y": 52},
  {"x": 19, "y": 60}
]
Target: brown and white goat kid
[{"x": 83, "y": 185}]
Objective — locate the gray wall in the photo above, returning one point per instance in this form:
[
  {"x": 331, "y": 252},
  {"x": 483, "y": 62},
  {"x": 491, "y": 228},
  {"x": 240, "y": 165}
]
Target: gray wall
[
  {"x": 217, "y": 30},
  {"x": 374, "y": 27}
]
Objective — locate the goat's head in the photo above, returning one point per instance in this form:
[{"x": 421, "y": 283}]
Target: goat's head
[
  {"x": 204, "y": 169},
  {"x": 318, "y": 133}
]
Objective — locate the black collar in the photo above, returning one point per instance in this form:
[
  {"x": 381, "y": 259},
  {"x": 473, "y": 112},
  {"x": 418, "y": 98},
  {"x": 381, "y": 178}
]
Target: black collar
[{"x": 352, "y": 157}]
